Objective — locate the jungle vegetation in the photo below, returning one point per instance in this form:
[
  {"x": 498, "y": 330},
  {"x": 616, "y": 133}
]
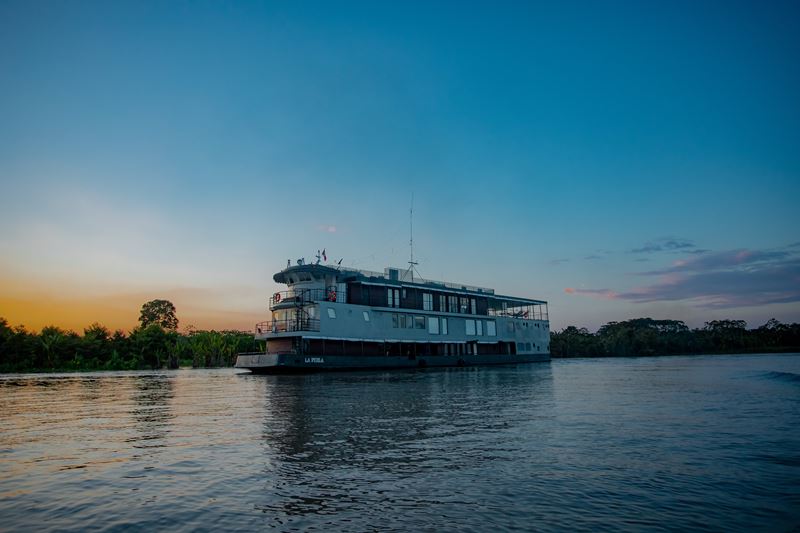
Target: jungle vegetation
[
  {"x": 646, "y": 336},
  {"x": 154, "y": 344}
]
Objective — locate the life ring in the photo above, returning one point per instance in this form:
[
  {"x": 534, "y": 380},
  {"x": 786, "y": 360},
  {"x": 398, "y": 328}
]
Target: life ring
[
  {"x": 332, "y": 295},
  {"x": 276, "y": 297}
]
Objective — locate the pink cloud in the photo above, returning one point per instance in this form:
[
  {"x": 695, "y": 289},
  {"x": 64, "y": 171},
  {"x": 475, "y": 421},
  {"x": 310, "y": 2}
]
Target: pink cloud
[{"x": 605, "y": 294}]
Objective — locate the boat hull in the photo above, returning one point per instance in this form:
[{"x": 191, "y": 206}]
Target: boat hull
[{"x": 265, "y": 363}]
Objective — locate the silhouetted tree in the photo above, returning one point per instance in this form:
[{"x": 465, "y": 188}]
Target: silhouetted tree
[{"x": 160, "y": 312}]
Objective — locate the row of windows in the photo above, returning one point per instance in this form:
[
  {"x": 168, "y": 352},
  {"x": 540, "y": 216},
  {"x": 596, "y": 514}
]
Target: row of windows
[
  {"x": 475, "y": 327},
  {"x": 455, "y": 304},
  {"x": 436, "y": 325}
]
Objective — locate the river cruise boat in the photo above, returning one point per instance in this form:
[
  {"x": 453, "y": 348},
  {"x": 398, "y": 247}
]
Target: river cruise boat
[{"x": 335, "y": 318}]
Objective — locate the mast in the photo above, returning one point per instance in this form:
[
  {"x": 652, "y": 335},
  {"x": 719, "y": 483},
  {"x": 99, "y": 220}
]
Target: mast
[{"x": 411, "y": 262}]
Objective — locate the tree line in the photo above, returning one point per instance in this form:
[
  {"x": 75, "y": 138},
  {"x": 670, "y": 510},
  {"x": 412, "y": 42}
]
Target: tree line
[
  {"x": 154, "y": 343},
  {"x": 646, "y": 336}
]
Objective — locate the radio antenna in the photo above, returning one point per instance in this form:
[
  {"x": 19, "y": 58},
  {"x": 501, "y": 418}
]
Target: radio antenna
[{"x": 411, "y": 263}]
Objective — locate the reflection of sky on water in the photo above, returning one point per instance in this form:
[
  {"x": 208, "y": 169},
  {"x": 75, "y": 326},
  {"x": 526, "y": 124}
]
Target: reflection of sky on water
[{"x": 576, "y": 445}]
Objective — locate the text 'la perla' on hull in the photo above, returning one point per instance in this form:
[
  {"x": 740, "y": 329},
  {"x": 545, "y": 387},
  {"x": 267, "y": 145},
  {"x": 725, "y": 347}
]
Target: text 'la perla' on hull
[{"x": 334, "y": 318}]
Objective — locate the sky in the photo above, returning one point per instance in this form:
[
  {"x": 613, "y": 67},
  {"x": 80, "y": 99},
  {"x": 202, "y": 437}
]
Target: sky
[{"x": 617, "y": 159}]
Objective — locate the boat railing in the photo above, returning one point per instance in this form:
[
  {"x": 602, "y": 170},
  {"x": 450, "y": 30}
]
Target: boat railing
[
  {"x": 526, "y": 312},
  {"x": 300, "y": 297},
  {"x": 289, "y": 324}
]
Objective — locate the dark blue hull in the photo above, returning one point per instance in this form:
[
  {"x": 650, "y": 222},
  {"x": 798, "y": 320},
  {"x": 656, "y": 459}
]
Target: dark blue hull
[{"x": 263, "y": 363}]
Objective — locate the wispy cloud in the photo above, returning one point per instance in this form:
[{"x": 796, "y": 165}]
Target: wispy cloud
[
  {"x": 326, "y": 228},
  {"x": 598, "y": 293},
  {"x": 733, "y": 278},
  {"x": 557, "y": 261},
  {"x": 664, "y": 244}
]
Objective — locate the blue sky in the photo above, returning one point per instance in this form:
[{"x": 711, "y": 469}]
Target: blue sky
[{"x": 617, "y": 159}]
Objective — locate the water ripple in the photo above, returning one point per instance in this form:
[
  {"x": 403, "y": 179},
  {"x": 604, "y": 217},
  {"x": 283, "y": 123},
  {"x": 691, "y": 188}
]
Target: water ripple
[{"x": 669, "y": 444}]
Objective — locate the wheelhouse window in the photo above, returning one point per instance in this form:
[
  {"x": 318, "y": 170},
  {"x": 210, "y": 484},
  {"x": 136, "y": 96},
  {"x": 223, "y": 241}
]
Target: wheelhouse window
[
  {"x": 442, "y": 307},
  {"x": 433, "y": 325},
  {"x": 473, "y": 307},
  {"x": 427, "y": 301},
  {"x": 464, "y": 305}
]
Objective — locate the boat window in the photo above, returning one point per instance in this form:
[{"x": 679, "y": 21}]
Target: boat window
[
  {"x": 392, "y": 298},
  {"x": 331, "y": 313},
  {"x": 419, "y": 322},
  {"x": 491, "y": 328},
  {"x": 442, "y": 308},
  {"x": 520, "y": 346},
  {"x": 473, "y": 306},
  {"x": 409, "y": 321},
  {"x": 433, "y": 325},
  {"x": 464, "y": 305},
  {"x": 395, "y": 320},
  {"x": 427, "y": 301},
  {"x": 470, "y": 327},
  {"x": 479, "y": 326},
  {"x": 452, "y": 304},
  {"x": 444, "y": 326},
  {"x": 366, "y": 316}
]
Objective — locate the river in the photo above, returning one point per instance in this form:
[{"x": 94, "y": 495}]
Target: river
[{"x": 657, "y": 444}]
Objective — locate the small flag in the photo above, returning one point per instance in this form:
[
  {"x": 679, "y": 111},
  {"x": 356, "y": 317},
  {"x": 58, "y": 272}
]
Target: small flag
[{"x": 324, "y": 257}]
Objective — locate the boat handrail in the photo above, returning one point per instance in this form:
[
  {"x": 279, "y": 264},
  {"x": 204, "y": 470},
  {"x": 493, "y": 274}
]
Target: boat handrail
[{"x": 288, "y": 324}]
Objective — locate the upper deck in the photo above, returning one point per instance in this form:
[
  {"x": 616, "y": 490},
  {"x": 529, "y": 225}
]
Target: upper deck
[{"x": 396, "y": 288}]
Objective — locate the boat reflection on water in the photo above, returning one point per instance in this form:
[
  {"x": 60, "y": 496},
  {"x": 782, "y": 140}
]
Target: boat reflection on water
[{"x": 356, "y": 442}]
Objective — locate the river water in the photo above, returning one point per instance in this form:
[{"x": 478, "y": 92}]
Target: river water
[{"x": 671, "y": 443}]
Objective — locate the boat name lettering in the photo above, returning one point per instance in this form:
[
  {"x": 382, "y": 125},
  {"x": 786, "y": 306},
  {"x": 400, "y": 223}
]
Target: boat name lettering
[{"x": 315, "y": 360}]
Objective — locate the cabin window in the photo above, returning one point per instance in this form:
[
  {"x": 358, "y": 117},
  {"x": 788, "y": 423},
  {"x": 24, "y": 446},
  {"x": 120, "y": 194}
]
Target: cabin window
[
  {"x": 473, "y": 306},
  {"x": 464, "y": 305},
  {"x": 444, "y": 326},
  {"x": 452, "y": 304},
  {"x": 520, "y": 346},
  {"x": 433, "y": 325},
  {"x": 395, "y": 320},
  {"x": 491, "y": 328},
  {"x": 419, "y": 322},
  {"x": 331, "y": 313},
  {"x": 393, "y": 297},
  {"x": 442, "y": 308},
  {"x": 479, "y": 327},
  {"x": 366, "y": 316},
  {"x": 470, "y": 327},
  {"x": 409, "y": 321},
  {"x": 427, "y": 301}
]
